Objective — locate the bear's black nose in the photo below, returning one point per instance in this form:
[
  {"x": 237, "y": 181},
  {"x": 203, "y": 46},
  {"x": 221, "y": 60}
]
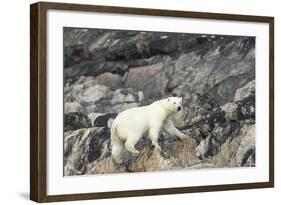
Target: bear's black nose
[{"x": 179, "y": 108}]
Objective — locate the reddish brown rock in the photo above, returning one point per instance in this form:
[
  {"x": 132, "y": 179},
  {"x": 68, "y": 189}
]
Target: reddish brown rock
[{"x": 147, "y": 77}]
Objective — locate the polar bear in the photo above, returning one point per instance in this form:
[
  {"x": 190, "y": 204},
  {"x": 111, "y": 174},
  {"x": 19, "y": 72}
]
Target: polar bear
[{"x": 130, "y": 125}]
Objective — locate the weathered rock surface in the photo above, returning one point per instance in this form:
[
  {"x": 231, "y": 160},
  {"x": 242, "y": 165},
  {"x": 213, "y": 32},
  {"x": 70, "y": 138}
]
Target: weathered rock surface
[
  {"x": 96, "y": 98},
  {"x": 107, "y": 72},
  {"x": 72, "y": 107},
  {"x": 75, "y": 121},
  {"x": 102, "y": 120},
  {"x": 246, "y": 150},
  {"x": 82, "y": 147},
  {"x": 87, "y": 151},
  {"x": 147, "y": 77}
]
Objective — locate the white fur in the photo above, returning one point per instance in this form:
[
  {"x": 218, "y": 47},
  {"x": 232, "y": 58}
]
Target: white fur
[{"x": 130, "y": 125}]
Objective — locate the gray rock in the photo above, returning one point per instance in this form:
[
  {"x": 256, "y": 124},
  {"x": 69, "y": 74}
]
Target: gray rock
[
  {"x": 125, "y": 50},
  {"x": 245, "y": 91},
  {"x": 102, "y": 120},
  {"x": 93, "y": 116},
  {"x": 94, "y": 68},
  {"x": 163, "y": 44},
  {"x": 203, "y": 148},
  {"x": 240, "y": 110},
  {"x": 246, "y": 149},
  {"x": 124, "y": 96},
  {"x": 90, "y": 97},
  {"x": 85, "y": 93},
  {"x": 213, "y": 72},
  {"x": 148, "y": 77},
  {"x": 75, "y": 121},
  {"x": 110, "y": 80},
  {"x": 75, "y": 54},
  {"x": 81, "y": 147},
  {"x": 231, "y": 113},
  {"x": 72, "y": 107}
]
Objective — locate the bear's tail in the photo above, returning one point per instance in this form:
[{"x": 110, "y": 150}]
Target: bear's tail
[{"x": 116, "y": 144}]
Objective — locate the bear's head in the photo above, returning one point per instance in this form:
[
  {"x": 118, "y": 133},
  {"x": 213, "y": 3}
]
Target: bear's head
[{"x": 173, "y": 104}]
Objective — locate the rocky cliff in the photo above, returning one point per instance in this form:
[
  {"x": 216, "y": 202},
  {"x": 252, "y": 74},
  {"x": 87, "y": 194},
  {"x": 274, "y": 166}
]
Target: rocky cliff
[{"x": 106, "y": 72}]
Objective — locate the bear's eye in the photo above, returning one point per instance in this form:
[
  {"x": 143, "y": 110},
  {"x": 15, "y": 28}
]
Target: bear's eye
[{"x": 174, "y": 102}]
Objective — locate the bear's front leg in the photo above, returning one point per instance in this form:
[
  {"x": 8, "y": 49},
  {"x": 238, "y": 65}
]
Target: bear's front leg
[
  {"x": 170, "y": 128},
  {"x": 153, "y": 136}
]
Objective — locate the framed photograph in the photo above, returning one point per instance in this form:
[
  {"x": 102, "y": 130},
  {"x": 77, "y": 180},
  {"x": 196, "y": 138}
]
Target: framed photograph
[{"x": 134, "y": 102}]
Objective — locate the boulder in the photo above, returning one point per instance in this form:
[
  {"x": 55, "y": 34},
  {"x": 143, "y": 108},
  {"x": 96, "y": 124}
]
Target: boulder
[
  {"x": 203, "y": 148},
  {"x": 94, "y": 67},
  {"x": 93, "y": 116},
  {"x": 96, "y": 98},
  {"x": 151, "y": 80},
  {"x": 110, "y": 80},
  {"x": 150, "y": 160},
  {"x": 86, "y": 94},
  {"x": 238, "y": 150},
  {"x": 124, "y": 99},
  {"x": 231, "y": 111},
  {"x": 182, "y": 151},
  {"x": 163, "y": 44},
  {"x": 75, "y": 54},
  {"x": 107, "y": 79},
  {"x": 105, "y": 166},
  {"x": 124, "y": 50},
  {"x": 75, "y": 121},
  {"x": 94, "y": 93},
  {"x": 124, "y": 96},
  {"x": 246, "y": 149},
  {"x": 245, "y": 91},
  {"x": 240, "y": 110},
  {"x": 82, "y": 147},
  {"x": 102, "y": 120},
  {"x": 72, "y": 107},
  {"x": 226, "y": 155}
]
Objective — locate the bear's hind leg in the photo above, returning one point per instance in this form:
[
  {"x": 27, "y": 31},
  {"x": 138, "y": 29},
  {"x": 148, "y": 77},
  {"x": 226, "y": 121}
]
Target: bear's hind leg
[
  {"x": 117, "y": 146},
  {"x": 130, "y": 145},
  {"x": 117, "y": 152}
]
